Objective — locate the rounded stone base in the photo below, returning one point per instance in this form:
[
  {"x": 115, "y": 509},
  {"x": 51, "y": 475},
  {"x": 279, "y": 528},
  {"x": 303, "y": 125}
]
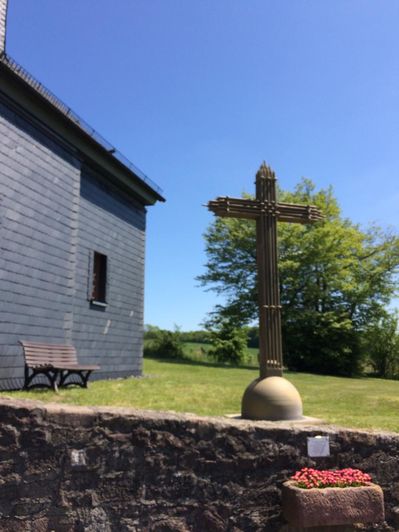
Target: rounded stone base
[{"x": 273, "y": 399}]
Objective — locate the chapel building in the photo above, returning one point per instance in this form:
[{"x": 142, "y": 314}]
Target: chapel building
[{"x": 72, "y": 233}]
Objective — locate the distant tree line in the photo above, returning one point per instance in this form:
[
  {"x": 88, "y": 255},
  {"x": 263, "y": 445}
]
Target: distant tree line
[
  {"x": 200, "y": 336},
  {"x": 228, "y": 344}
]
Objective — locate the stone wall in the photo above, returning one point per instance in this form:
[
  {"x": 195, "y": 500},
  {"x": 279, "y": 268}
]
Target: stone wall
[{"x": 83, "y": 469}]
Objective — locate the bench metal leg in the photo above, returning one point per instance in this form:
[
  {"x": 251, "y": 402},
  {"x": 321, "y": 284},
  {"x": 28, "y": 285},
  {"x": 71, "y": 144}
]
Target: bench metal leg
[
  {"x": 83, "y": 374},
  {"x": 53, "y": 381},
  {"x": 50, "y": 374},
  {"x": 27, "y": 379}
]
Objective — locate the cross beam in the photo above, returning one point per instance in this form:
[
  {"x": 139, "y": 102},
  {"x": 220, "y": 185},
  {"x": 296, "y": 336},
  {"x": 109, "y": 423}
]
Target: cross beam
[
  {"x": 251, "y": 210},
  {"x": 266, "y": 211}
]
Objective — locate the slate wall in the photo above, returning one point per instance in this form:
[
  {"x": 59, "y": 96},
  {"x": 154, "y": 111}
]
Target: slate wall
[
  {"x": 53, "y": 214},
  {"x": 39, "y": 202},
  {"x": 113, "y": 225},
  {"x": 84, "y": 469}
]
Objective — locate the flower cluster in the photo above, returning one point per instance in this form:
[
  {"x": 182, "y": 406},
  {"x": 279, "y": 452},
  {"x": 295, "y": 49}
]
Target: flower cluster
[{"x": 308, "y": 478}]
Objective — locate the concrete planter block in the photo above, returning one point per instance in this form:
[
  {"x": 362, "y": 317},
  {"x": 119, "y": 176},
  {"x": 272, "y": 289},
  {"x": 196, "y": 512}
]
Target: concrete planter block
[{"x": 332, "y": 506}]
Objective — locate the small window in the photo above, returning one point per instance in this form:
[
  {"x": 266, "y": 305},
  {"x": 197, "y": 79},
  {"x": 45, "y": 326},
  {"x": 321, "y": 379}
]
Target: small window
[{"x": 99, "y": 287}]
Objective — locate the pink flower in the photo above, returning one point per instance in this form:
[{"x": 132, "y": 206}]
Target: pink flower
[{"x": 308, "y": 478}]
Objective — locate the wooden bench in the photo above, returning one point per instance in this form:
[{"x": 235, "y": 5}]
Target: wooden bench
[{"x": 53, "y": 361}]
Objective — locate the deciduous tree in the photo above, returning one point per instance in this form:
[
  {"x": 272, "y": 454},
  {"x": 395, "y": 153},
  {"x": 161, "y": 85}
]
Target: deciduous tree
[{"x": 335, "y": 278}]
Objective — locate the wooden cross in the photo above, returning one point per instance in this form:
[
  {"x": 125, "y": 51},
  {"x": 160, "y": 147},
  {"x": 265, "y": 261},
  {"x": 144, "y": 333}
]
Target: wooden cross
[{"x": 266, "y": 212}]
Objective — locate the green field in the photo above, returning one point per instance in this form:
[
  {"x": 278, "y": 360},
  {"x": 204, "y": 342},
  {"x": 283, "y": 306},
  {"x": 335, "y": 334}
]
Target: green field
[{"x": 208, "y": 389}]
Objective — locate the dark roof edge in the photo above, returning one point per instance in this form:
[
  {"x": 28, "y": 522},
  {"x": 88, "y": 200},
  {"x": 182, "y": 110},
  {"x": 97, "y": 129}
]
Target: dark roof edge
[
  {"x": 111, "y": 152},
  {"x": 3, "y": 24}
]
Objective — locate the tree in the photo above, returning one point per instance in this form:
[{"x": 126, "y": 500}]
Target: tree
[
  {"x": 229, "y": 343},
  {"x": 162, "y": 343},
  {"x": 151, "y": 332},
  {"x": 334, "y": 278},
  {"x": 381, "y": 342}
]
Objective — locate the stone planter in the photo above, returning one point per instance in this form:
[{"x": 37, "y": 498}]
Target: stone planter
[{"x": 332, "y": 506}]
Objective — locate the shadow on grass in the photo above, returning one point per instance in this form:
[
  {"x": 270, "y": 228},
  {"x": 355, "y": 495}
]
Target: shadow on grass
[
  {"x": 203, "y": 363},
  {"x": 41, "y": 391}
]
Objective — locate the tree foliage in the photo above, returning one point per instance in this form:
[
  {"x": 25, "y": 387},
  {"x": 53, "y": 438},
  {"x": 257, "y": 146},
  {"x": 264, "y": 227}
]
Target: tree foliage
[
  {"x": 381, "y": 342},
  {"x": 163, "y": 343},
  {"x": 201, "y": 336},
  {"x": 229, "y": 343},
  {"x": 335, "y": 279}
]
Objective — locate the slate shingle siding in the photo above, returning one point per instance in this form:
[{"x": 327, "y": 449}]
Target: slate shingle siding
[
  {"x": 39, "y": 190},
  {"x": 50, "y": 220},
  {"x": 115, "y": 227}
]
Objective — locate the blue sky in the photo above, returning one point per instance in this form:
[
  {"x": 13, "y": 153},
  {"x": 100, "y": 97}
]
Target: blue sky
[{"x": 198, "y": 93}]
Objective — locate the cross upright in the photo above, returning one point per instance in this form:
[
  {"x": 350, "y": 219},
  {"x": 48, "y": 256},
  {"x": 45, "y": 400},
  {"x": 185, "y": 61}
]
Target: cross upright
[{"x": 266, "y": 211}]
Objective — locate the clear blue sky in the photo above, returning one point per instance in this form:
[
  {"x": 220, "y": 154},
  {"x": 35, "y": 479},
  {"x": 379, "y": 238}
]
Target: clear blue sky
[{"x": 198, "y": 93}]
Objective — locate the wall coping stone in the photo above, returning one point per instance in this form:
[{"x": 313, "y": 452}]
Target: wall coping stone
[{"x": 68, "y": 414}]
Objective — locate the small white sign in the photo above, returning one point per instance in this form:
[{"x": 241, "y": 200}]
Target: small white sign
[
  {"x": 78, "y": 457},
  {"x": 318, "y": 446}
]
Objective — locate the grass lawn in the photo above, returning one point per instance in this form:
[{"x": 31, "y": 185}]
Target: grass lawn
[{"x": 208, "y": 389}]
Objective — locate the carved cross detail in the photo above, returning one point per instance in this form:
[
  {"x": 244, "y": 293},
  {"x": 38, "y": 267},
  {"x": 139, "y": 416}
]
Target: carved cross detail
[{"x": 266, "y": 211}]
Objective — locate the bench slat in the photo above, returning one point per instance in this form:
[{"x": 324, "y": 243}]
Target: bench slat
[
  {"x": 45, "y": 351},
  {"x": 52, "y": 359},
  {"x": 51, "y": 354},
  {"x": 79, "y": 367},
  {"x": 40, "y": 344}
]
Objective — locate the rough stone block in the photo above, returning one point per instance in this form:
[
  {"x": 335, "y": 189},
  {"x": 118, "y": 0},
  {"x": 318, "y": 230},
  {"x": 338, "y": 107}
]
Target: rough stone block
[{"x": 332, "y": 506}]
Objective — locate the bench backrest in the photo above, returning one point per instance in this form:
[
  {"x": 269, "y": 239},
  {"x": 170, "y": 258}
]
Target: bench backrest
[{"x": 53, "y": 354}]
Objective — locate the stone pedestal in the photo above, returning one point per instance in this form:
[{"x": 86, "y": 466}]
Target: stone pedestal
[{"x": 272, "y": 399}]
